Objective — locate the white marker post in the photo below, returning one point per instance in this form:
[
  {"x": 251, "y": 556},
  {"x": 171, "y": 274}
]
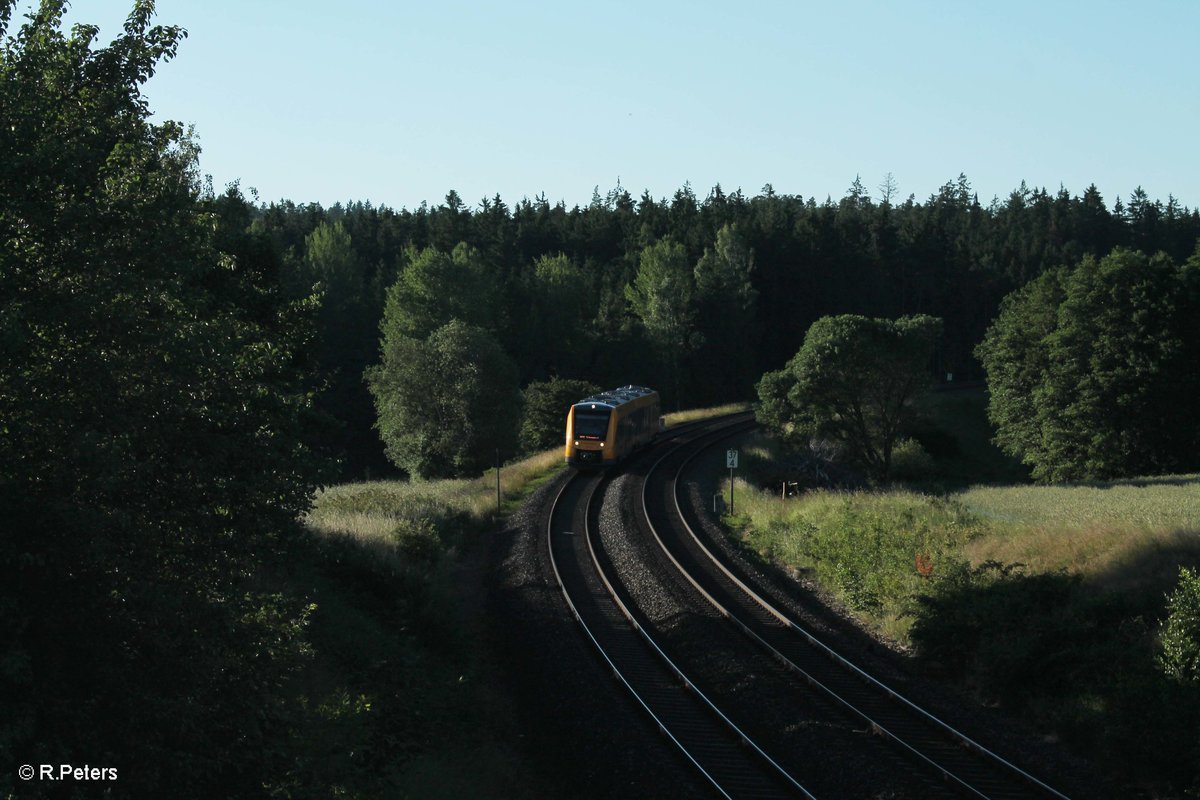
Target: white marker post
[{"x": 731, "y": 461}]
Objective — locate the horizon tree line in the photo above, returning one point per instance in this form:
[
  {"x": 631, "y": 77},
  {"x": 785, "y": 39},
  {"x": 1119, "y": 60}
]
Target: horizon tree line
[{"x": 698, "y": 298}]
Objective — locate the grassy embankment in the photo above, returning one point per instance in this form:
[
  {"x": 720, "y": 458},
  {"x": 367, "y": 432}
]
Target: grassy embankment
[
  {"x": 397, "y": 676},
  {"x": 1043, "y": 599},
  {"x": 398, "y": 684}
]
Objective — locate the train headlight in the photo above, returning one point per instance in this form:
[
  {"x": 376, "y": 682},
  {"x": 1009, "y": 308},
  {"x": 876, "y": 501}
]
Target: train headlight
[
  {"x": 602, "y": 444},
  {"x": 577, "y": 444}
]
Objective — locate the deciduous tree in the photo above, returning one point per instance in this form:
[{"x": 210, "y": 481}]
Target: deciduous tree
[
  {"x": 1092, "y": 369},
  {"x": 436, "y": 287},
  {"x": 445, "y": 404},
  {"x": 151, "y": 409},
  {"x": 662, "y": 296},
  {"x": 852, "y": 381}
]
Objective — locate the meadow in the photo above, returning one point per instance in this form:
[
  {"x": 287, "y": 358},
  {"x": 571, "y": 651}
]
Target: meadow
[{"x": 1128, "y": 536}]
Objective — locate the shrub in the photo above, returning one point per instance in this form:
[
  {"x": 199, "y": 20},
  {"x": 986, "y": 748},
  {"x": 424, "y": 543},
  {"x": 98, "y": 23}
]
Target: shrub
[
  {"x": 1180, "y": 636},
  {"x": 417, "y": 539},
  {"x": 910, "y": 462}
]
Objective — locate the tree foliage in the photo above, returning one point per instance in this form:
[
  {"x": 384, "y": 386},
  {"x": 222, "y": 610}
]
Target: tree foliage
[
  {"x": 331, "y": 263},
  {"x": 662, "y": 297},
  {"x": 726, "y": 301},
  {"x": 152, "y": 397},
  {"x": 558, "y": 274},
  {"x": 559, "y": 304},
  {"x": 1088, "y": 368},
  {"x": 1180, "y": 635},
  {"x": 853, "y": 381},
  {"x": 445, "y": 404},
  {"x": 346, "y": 341},
  {"x": 437, "y": 287},
  {"x": 544, "y": 422}
]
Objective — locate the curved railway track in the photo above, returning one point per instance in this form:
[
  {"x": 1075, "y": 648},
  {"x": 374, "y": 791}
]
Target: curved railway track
[
  {"x": 955, "y": 765},
  {"x": 961, "y": 762},
  {"x": 727, "y": 758}
]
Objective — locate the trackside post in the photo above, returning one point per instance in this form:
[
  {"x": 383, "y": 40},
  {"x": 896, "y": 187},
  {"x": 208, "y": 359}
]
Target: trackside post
[{"x": 731, "y": 461}]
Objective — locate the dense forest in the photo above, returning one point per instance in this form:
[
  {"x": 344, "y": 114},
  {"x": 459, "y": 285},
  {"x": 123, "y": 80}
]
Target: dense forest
[{"x": 697, "y": 297}]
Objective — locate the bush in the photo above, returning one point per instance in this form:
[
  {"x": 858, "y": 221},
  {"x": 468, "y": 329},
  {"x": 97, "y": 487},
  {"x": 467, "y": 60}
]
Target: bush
[
  {"x": 417, "y": 539},
  {"x": 1079, "y": 660},
  {"x": 910, "y": 462},
  {"x": 1180, "y": 636}
]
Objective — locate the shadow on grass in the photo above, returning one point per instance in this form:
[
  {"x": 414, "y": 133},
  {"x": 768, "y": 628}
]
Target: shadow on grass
[
  {"x": 1152, "y": 480},
  {"x": 1076, "y": 660}
]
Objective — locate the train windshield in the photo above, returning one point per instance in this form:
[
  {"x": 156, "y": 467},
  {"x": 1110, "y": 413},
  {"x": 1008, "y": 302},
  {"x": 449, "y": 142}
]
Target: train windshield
[{"x": 592, "y": 424}]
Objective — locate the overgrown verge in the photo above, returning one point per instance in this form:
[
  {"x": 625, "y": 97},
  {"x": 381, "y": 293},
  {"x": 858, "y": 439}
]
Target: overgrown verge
[
  {"x": 691, "y": 415},
  {"x": 396, "y": 696},
  {"x": 877, "y": 553}
]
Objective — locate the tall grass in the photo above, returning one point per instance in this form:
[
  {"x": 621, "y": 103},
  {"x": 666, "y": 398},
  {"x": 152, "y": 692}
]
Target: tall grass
[
  {"x": 877, "y": 552},
  {"x": 693, "y": 414},
  {"x": 377, "y": 514},
  {"x": 1124, "y": 535}
]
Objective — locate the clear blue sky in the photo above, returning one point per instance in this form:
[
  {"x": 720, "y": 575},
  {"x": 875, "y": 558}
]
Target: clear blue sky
[{"x": 398, "y": 102}]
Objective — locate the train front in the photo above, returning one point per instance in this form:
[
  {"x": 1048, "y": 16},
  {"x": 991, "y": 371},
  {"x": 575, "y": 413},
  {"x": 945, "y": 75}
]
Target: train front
[{"x": 589, "y": 438}]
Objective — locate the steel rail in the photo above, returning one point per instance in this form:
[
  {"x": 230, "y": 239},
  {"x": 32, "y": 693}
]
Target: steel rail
[
  {"x": 947, "y": 730},
  {"x": 616, "y": 671},
  {"x": 664, "y": 725}
]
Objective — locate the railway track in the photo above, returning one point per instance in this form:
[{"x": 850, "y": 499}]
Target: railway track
[
  {"x": 957, "y": 760},
  {"x": 727, "y": 758}
]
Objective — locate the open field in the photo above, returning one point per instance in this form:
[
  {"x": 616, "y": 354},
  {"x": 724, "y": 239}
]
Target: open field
[
  {"x": 1124, "y": 535},
  {"x": 1160, "y": 503}
]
